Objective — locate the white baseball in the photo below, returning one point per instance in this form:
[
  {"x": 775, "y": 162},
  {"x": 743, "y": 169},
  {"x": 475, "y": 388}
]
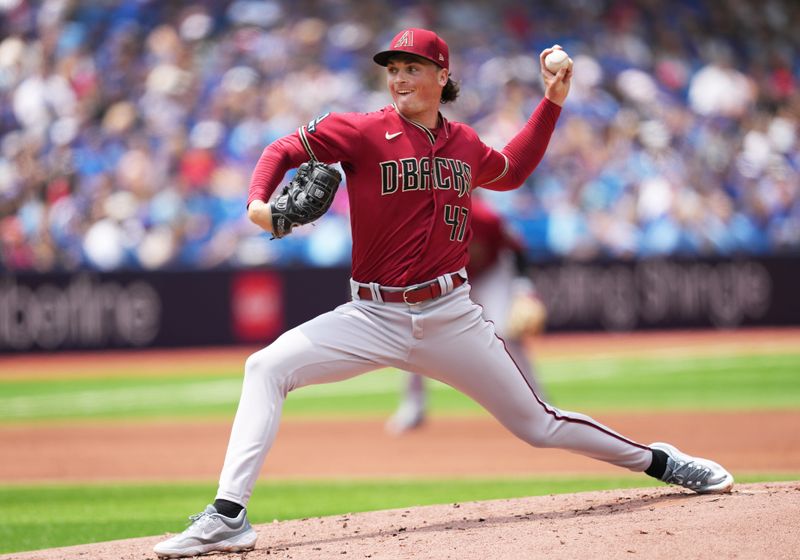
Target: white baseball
[{"x": 556, "y": 60}]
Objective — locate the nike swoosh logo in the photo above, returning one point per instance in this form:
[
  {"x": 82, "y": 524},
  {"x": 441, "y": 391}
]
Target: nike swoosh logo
[{"x": 395, "y": 135}]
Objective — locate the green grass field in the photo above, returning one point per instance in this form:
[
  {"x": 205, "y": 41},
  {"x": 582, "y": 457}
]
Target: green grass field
[
  {"x": 35, "y": 517},
  {"x": 739, "y": 382}
]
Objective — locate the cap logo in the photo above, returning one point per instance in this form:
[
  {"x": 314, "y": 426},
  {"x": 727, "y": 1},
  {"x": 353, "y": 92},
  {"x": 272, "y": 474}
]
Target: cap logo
[
  {"x": 405, "y": 40},
  {"x": 441, "y": 57}
]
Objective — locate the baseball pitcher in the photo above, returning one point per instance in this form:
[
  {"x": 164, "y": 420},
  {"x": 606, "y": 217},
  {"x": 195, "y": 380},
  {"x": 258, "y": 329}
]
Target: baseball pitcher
[{"x": 410, "y": 177}]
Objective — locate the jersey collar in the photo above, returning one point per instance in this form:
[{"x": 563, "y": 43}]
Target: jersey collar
[{"x": 445, "y": 129}]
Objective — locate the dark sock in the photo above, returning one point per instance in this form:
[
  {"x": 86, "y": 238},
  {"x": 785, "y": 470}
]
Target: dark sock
[
  {"x": 659, "y": 465},
  {"x": 227, "y": 508}
]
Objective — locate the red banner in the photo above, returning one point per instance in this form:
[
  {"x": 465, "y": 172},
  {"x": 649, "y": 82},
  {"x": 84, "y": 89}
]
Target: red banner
[{"x": 257, "y": 306}]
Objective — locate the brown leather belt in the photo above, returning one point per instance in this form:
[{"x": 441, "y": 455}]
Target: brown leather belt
[{"x": 414, "y": 294}]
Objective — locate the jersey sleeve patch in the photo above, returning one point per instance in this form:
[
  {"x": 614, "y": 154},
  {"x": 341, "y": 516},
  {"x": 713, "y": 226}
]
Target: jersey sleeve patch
[
  {"x": 332, "y": 137},
  {"x": 312, "y": 125}
]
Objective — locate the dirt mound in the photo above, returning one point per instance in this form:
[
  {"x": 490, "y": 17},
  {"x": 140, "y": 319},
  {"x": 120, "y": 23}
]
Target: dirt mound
[{"x": 754, "y": 521}]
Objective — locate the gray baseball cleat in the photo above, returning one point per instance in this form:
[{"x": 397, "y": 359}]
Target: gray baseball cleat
[
  {"x": 409, "y": 416},
  {"x": 701, "y": 475},
  {"x": 210, "y": 532}
]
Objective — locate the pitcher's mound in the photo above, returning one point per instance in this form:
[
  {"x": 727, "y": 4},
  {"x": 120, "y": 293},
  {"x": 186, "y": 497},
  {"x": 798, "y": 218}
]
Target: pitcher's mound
[{"x": 754, "y": 521}]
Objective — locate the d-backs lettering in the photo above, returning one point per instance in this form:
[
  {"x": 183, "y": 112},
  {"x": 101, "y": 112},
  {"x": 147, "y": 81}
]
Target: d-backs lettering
[{"x": 412, "y": 174}]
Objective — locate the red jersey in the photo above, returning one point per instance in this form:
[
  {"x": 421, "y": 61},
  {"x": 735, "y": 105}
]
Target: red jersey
[
  {"x": 409, "y": 190},
  {"x": 490, "y": 238}
]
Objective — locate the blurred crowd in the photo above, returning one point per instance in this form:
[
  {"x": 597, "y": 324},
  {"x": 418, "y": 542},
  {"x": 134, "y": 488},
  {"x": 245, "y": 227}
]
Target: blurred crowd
[{"x": 129, "y": 128}]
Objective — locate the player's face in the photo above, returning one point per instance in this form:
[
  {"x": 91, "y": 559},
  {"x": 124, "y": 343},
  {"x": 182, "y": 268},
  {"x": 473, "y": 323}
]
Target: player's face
[{"x": 416, "y": 88}]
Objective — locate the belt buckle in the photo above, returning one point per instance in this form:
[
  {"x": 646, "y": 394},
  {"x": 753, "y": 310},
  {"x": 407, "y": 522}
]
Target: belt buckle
[{"x": 405, "y": 297}]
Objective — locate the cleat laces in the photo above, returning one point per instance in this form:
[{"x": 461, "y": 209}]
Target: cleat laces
[
  {"x": 689, "y": 474},
  {"x": 199, "y": 520}
]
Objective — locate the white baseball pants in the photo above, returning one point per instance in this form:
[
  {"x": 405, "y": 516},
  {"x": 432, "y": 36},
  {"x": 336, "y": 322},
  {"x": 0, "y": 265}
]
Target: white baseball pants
[{"x": 446, "y": 339}]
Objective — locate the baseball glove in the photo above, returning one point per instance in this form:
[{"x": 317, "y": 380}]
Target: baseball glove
[
  {"x": 527, "y": 317},
  {"x": 305, "y": 199}
]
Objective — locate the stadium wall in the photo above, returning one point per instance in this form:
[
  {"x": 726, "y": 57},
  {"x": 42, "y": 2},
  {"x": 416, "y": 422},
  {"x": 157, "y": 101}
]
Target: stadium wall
[{"x": 92, "y": 310}]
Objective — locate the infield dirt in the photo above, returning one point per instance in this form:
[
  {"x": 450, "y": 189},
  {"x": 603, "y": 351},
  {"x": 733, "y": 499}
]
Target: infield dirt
[{"x": 752, "y": 442}]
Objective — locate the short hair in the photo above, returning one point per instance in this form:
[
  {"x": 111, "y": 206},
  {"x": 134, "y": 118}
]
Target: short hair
[{"x": 450, "y": 90}]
